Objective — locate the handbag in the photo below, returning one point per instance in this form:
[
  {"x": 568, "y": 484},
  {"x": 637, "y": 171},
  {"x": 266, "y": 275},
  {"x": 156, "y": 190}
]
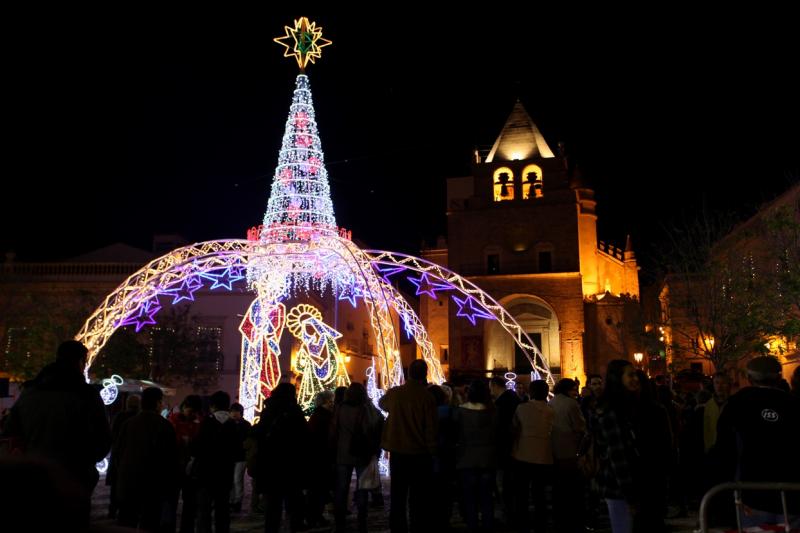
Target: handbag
[{"x": 370, "y": 477}]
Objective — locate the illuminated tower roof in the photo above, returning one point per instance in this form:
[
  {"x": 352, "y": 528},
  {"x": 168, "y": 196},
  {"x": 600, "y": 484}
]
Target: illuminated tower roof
[{"x": 520, "y": 139}]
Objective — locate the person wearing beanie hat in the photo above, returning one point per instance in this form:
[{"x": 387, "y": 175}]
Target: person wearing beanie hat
[
  {"x": 764, "y": 371},
  {"x": 757, "y": 438}
]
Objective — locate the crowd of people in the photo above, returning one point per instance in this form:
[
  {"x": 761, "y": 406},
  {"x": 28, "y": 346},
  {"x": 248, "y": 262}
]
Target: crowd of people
[{"x": 535, "y": 460}]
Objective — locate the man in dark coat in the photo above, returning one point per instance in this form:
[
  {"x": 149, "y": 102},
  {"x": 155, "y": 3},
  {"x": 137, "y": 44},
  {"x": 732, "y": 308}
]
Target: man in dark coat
[
  {"x": 214, "y": 453},
  {"x": 506, "y": 402},
  {"x": 132, "y": 406},
  {"x": 145, "y": 459},
  {"x": 409, "y": 434},
  {"x": 757, "y": 436},
  {"x": 61, "y": 418},
  {"x": 282, "y": 438},
  {"x": 322, "y": 459},
  {"x": 242, "y": 433}
]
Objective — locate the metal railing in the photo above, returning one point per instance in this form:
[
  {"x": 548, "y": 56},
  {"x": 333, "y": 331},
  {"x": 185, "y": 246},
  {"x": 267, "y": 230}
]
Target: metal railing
[{"x": 737, "y": 500}]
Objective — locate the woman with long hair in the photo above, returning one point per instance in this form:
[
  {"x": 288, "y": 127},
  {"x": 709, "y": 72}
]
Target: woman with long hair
[
  {"x": 474, "y": 423},
  {"x": 615, "y": 437},
  {"x": 356, "y": 434},
  {"x": 569, "y": 430}
]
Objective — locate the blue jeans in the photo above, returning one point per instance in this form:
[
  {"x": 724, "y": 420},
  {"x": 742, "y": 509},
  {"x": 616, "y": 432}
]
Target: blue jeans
[{"x": 620, "y": 515}]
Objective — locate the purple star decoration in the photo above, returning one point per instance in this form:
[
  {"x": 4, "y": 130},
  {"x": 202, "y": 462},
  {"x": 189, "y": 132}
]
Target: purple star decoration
[
  {"x": 350, "y": 293},
  {"x": 226, "y": 279},
  {"x": 467, "y": 309},
  {"x": 386, "y": 271},
  {"x": 186, "y": 290},
  {"x": 144, "y": 316},
  {"x": 425, "y": 286}
]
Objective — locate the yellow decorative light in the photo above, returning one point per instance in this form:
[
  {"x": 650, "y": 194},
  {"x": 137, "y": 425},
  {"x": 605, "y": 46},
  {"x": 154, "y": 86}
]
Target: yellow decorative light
[
  {"x": 304, "y": 41},
  {"x": 318, "y": 359}
]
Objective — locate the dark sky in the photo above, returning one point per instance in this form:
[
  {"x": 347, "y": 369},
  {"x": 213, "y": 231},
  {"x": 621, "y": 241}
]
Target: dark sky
[{"x": 119, "y": 130}]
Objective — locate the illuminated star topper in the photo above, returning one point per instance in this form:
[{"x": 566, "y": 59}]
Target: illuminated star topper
[{"x": 304, "y": 42}]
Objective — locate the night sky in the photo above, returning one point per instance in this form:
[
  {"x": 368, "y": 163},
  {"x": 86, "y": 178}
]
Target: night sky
[{"x": 122, "y": 130}]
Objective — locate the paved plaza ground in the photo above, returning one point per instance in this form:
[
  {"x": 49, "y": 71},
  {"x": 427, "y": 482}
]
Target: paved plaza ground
[{"x": 247, "y": 521}]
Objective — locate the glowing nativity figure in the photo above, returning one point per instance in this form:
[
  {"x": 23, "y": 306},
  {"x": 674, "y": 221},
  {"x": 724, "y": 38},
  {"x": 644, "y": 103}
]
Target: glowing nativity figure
[
  {"x": 319, "y": 362},
  {"x": 261, "y": 329}
]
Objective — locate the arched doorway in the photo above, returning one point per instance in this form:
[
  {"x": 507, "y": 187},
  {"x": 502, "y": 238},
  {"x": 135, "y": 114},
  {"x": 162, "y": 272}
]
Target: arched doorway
[{"x": 538, "y": 320}]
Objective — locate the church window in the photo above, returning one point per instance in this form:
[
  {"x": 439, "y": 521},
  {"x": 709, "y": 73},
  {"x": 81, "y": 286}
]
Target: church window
[
  {"x": 503, "y": 184},
  {"x": 532, "y": 182},
  {"x": 545, "y": 261},
  {"x": 493, "y": 264}
]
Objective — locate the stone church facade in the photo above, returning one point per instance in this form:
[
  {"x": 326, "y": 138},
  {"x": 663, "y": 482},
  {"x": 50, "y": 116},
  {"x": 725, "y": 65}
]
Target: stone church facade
[{"x": 523, "y": 227}]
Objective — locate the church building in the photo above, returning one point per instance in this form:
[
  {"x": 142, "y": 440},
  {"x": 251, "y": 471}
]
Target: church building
[{"x": 523, "y": 227}]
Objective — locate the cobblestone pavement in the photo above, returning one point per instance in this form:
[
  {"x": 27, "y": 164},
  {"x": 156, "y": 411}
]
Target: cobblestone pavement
[{"x": 248, "y": 522}]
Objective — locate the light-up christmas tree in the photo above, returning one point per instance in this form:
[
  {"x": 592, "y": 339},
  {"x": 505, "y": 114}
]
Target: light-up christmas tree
[{"x": 300, "y": 205}]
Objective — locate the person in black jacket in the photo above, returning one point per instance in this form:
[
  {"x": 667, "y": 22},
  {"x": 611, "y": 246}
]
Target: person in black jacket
[
  {"x": 476, "y": 456},
  {"x": 323, "y": 459},
  {"x": 757, "y": 438},
  {"x": 145, "y": 459},
  {"x": 214, "y": 454},
  {"x": 242, "y": 432},
  {"x": 131, "y": 410},
  {"x": 281, "y": 437},
  {"x": 357, "y": 434},
  {"x": 61, "y": 418}
]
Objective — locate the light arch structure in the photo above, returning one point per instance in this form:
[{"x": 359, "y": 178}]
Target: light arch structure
[
  {"x": 299, "y": 247},
  {"x": 183, "y": 271},
  {"x": 392, "y": 263},
  {"x": 136, "y": 300}
]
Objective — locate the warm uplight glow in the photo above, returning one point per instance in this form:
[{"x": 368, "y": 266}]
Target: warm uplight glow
[
  {"x": 707, "y": 342},
  {"x": 503, "y": 184},
  {"x": 778, "y": 346},
  {"x": 638, "y": 356},
  {"x": 304, "y": 41}
]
